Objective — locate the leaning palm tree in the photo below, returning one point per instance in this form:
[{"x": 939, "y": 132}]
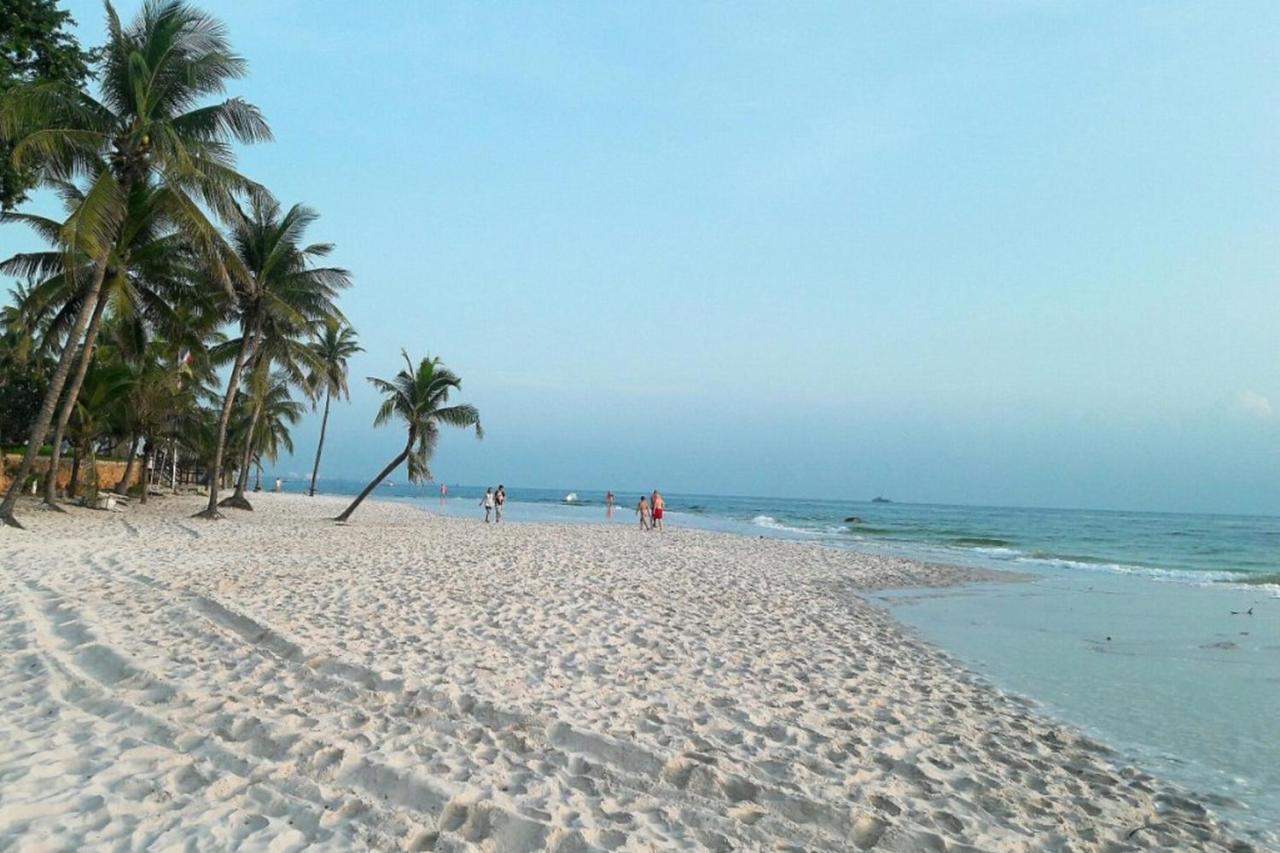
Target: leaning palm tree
[
  {"x": 334, "y": 346},
  {"x": 147, "y": 124},
  {"x": 418, "y": 397},
  {"x": 279, "y": 303}
]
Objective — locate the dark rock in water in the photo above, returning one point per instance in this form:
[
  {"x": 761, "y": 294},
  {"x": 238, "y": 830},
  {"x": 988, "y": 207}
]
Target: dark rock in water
[
  {"x": 879, "y": 500},
  {"x": 853, "y": 519},
  {"x": 1225, "y": 644}
]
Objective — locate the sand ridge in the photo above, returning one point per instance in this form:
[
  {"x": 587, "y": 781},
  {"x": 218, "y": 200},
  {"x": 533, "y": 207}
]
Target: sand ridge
[{"x": 415, "y": 682}]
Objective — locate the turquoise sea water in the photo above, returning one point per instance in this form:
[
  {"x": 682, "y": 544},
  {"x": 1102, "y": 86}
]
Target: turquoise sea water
[
  {"x": 1165, "y": 546},
  {"x": 1158, "y": 633}
]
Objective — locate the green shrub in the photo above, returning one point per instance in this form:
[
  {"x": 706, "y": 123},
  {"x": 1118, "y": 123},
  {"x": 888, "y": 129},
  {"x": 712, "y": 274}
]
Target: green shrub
[{"x": 20, "y": 449}]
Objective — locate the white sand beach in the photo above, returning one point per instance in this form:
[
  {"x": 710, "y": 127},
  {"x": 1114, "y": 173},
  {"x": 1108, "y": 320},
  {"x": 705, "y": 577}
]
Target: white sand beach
[{"x": 406, "y": 681}]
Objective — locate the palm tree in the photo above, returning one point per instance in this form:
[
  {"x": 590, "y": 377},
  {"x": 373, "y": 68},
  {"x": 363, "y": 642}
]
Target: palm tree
[
  {"x": 277, "y": 412},
  {"x": 279, "y": 303},
  {"x": 150, "y": 271},
  {"x": 170, "y": 369},
  {"x": 95, "y": 416},
  {"x": 418, "y": 397},
  {"x": 22, "y": 327},
  {"x": 281, "y": 346},
  {"x": 24, "y": 368},
  {"x": 146, "y": 124},
  {"x": 335, "y": 345}
]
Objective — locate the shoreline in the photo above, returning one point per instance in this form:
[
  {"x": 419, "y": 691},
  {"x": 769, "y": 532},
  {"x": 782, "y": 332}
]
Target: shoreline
[
  {"x": 409, "y": 679},
  {"x": 1021, "y": 540}
]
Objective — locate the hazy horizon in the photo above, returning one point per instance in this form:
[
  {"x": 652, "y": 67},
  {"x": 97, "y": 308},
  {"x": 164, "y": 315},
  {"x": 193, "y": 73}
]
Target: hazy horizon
[{"x": 990, "y": 254}]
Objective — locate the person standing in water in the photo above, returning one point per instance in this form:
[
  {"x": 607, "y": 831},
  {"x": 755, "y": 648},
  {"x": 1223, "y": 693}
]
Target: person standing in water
[
  {"x": 487, "y": 503},
  {"x": 444, "y": 493},
  {"x": 608, "y": 502},
  {"x": 659, "y": 509},
  {"x": 642, "y": 510},
  {"x": 499, "y": 500}
]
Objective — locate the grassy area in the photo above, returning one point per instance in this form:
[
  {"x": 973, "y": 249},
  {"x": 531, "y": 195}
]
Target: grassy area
[{"x": 66, "y": 457}]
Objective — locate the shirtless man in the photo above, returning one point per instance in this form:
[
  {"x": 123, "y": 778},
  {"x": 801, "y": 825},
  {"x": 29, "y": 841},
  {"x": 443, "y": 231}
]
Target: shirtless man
[
  {"x": 659, "y": 509},
  {"x": 642, "y": 510}
]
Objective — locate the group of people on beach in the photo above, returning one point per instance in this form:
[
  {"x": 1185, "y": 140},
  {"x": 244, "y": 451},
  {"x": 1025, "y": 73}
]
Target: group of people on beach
[
  {"x": 493, "y": 502},
  {"x": 651, "y": 510}
]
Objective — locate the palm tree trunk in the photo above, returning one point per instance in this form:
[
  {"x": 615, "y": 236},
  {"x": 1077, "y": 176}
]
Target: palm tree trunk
[
  {"x": 148, "y": 450},
  {"x": 69, "y": 398},
  {"x": 40, "y": 429},
  {"x": 122, "y": 487},
  {"x": 324, "y": 422},
  {"x": 257, "y": 480},
  {"x": 395, "y": 463},
  {"x": 93, "y": 470},
  {"x": 215, "y": 472},
  {"x": 75, "y": 472},
  {"x": 238, "y": 500}
]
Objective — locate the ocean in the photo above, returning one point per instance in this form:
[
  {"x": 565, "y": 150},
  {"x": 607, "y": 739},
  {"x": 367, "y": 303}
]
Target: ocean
[
  {"x": 1157, "y": 633},
  {"x": 1194, "y": 549}
]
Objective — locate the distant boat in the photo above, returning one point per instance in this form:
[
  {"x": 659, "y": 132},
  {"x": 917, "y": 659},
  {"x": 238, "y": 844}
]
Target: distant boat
[
  {"x": 571, "y": 498},
  {"x": 389, "y": 482},
  {"x": 879, "y": 500}
]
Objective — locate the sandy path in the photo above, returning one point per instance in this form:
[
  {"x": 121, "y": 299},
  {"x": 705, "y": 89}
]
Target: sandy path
[{"x": 276, "y": 682}]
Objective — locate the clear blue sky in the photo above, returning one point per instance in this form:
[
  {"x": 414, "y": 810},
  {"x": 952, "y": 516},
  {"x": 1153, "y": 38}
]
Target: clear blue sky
[{"x": 989, "y": 252}]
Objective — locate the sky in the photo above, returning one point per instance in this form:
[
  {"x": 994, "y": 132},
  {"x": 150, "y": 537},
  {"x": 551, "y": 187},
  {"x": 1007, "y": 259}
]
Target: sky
[{"x": 990, "y": 252}]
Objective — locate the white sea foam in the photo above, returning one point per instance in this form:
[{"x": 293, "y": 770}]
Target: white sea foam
[
  {"x": 771, "y": 523},
  {"x": 1000, "y": 552},
  {"x": 1180, "y": 575}
]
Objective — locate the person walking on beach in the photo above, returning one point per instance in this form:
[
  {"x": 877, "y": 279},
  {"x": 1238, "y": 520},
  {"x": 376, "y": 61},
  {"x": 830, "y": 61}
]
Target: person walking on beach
[
  {"x": 499, "y": 500},
  {"x": 659, "y": 509},
  {"x": 487, "y": 503},
  {"x": 608, "y": 502},
  {"x": 642, "y": 510}
]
